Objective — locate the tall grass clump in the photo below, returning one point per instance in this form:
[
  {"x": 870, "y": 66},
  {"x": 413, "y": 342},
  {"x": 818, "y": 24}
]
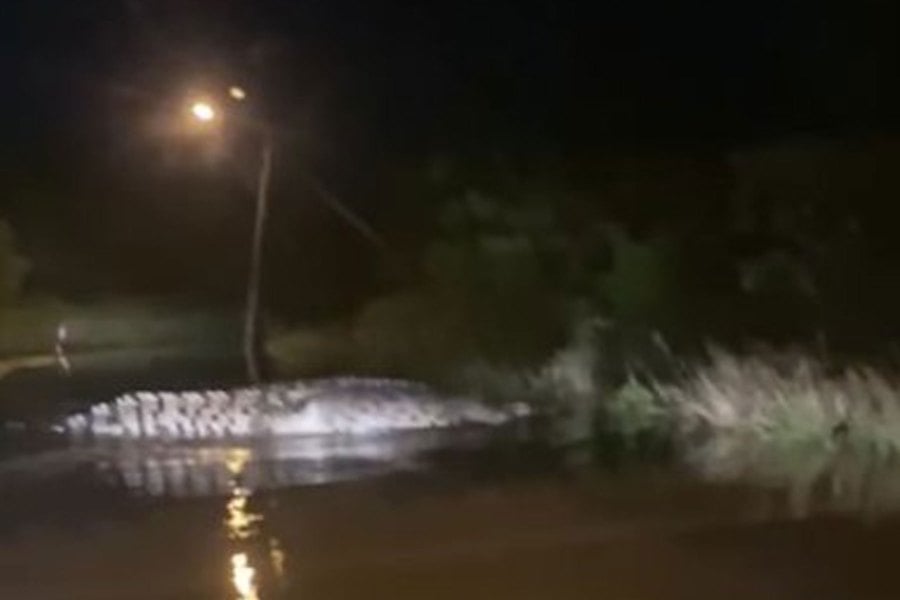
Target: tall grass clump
[
  {"x": 828, "y": 436},
  {"x": 786, "y": 400}
]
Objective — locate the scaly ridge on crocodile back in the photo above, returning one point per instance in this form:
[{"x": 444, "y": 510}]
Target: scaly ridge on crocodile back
[{"x": 348, "y": 406}]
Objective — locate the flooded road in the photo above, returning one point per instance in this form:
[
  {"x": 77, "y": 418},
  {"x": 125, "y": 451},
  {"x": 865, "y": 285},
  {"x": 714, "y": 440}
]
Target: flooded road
[{"x": 413, "y": 517}]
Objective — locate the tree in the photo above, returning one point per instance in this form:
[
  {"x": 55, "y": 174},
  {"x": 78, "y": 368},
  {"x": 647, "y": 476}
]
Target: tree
[{"x": 13, "y": 267}]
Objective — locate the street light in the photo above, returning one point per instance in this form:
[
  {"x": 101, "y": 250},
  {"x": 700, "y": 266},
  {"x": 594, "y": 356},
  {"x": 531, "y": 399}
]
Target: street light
[{"x": 205, "y": 112}]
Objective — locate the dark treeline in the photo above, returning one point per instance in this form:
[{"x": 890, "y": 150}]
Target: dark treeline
[
  {"x": 781, "y": 241},
  {"x": 776, "y": 240}
]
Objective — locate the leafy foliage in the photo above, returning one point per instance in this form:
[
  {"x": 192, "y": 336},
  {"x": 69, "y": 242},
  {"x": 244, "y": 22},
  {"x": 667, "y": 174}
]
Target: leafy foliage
[
  {"x": 642, "y": 287},
  {"x": 636, "y": 409}
]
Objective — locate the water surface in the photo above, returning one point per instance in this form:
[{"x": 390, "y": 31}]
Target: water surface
[{"x": 460, "y": 515}]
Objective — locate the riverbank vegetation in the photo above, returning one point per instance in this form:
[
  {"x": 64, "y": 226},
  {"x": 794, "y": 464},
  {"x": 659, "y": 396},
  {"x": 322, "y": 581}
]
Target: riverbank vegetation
[
  {"x": 555, "y": 280},
  {"x": 595, "y": 293}
]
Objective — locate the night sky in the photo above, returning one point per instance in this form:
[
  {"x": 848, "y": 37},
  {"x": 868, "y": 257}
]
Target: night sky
[{"x": 359, "y": 87}]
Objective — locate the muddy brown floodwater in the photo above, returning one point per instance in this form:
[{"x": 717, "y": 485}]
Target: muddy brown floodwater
[{"x": 448, "y": 528}]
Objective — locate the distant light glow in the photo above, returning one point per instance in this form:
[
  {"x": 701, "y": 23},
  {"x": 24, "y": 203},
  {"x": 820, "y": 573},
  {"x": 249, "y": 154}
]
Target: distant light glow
[
  {"x": 203, "y": 111},
  {"x": 237, "y": 93}
]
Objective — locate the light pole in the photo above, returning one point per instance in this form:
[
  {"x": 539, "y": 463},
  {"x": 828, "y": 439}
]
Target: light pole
[
  {"x": 204, "y": 112},
  {"x": 251, "y": 319}
]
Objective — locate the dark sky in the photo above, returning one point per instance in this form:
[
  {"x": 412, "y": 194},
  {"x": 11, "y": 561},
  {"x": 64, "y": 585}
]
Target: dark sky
[
  {"x": 418, "y": 72},
  {"x": 357, "y": 85}
]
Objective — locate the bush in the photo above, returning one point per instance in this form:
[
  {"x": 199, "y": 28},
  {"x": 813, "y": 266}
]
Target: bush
[
  {"x": 636, "y": 410},
  {"x": 408, "y": 334},
  {"x": 311, "y": 351},
  {"x": 29, "y": 330},
  {"x": 643, "y": 286}
]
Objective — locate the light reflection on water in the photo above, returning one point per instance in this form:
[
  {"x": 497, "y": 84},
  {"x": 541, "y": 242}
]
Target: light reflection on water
[
  {"x": 240, "y": 522},
  {"x": 596, "y": 535},
  {"x": 207, "y": 470},
  {"x": 243, "y": 530},
  {"x": 243, "y": 576},
  {"x": 256, "y": 559},
  {"x": 799, "y": 482},
  {"x": 814, "y": 479}
]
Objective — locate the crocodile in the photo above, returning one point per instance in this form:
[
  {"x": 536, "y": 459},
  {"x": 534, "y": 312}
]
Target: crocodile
[{"x": 344, "y": 406}]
